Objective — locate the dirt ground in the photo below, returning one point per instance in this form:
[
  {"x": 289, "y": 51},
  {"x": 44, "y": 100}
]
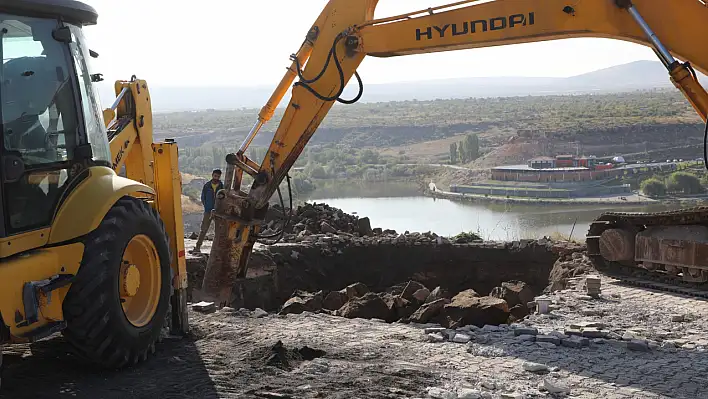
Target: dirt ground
[{"x": 644, "y": 353}]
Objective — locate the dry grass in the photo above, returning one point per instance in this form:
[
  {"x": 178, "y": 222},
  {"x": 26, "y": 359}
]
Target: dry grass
[{"x": 428, "y": 151}]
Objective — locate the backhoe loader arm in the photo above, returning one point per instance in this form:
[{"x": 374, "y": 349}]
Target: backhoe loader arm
[{"x": 345, "y": 32}]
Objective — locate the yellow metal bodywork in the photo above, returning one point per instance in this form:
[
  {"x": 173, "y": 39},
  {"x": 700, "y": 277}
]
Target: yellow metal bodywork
[
  {"x": 88, "y": 203},
  {"x": 35, "y": 265},
  {"x": 151, "y": 172},
  {"x": 155, "y": 164},
  {"x": 31, "y": 256},
  {"x": 681, "y": 26}
]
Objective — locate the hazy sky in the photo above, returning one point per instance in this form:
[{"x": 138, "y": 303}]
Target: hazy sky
[{"x": 247, "y": 43}]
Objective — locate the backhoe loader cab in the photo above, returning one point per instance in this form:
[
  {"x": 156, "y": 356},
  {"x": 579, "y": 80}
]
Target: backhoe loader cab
[{"x": 84, "y": 251}]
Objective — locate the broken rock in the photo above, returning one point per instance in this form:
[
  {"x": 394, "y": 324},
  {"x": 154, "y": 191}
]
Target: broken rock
[
  {"x": 465, "y": 309},
  {"x": 514, "y": 293},
  {"x": 369, "y": 306},
  {"x": 467, "y": 393},
  {"x": 335, "y": 300},
  {"x": 535, "y": 367},
  {"x": 364, "y": 227},
  {"x": 398, "y": 307},
  {"x": 421, "y": 294},
  {"x": 356, "y": 290},
  {"x": 439, "y": 393},
  {"x": 411, "y": 288},
  {"x": 428, "y": 311},
  {"x": 555, "y": 387},
  {"x": 327, "y": 228},
  {"x": 437, "y": 293},
  {"x": 204, "y": 307},
  {"x": 303, "y": 302}
]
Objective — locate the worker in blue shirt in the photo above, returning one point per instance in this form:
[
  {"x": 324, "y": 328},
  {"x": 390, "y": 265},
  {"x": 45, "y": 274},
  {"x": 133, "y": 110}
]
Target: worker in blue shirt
[{"x": 209, "y": 191}]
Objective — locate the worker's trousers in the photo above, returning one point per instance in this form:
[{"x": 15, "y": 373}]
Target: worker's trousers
[{"x": 206, "y": 222}]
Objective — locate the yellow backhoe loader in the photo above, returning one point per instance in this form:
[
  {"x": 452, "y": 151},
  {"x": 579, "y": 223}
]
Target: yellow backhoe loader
[{"x": 83, "y": 250}]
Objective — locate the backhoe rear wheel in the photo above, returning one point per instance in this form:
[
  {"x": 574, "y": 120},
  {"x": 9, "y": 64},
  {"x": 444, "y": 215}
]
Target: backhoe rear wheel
[{"x": 116, "y": 307}]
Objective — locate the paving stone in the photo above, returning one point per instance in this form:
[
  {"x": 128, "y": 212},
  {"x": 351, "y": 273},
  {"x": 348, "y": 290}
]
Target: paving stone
[
  {"x": 461, "y": 338},
  {"x": 467, "y": 393},
  {"x": 593, "y": 332},
  {"x": 546, "y": 345},
  {"x": 439, "y": 393},
  {"x": 548, "y": 339},
  {"x": 526, "y": 338},
  {"x": 573, "y": 331},
  {"x": 525, "y": 331},
  {"x": 436, "y": 337},
  {"x": 535, "y": 367},
  {"x": 575, "y": 342},
  {"x": 587, "y": 324},
  {"x": 638, "y": 345}
]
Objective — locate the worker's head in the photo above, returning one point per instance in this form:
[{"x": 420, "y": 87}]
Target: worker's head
[{"x": 216, "y": 175}]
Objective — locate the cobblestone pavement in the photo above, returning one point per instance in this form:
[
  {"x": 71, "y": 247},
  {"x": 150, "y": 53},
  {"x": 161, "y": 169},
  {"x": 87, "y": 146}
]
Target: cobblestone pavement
[
  {"x": 632, "y": 349},
  {"x": 630, "y": 343}
]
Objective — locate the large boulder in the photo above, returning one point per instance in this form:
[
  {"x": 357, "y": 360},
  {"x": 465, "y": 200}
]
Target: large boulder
[
  {"x": 399, "y": 308},
  {"x": 428, "y": 311},
  {"x": 364, "y": 227},
  {"x": 466, "y": 309},
  {"x": 421, "y": 295},
  {"x": 303, "y": 302},
  {"x": 294, "y": 305},
  {"x": 356, "y": 290},
  {"x": 514, "y": 293},
  {"x": 369, "y": 306},
  {"x": 335, "y": 300},
  {"x": 411, "y": 288},
  {"x": 438, "y": 293}
]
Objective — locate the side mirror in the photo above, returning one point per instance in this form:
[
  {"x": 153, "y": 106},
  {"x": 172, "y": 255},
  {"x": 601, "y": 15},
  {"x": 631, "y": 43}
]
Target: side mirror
[
  {"x": 93, "y": 54},
  {"x": 13, "y": 167}
]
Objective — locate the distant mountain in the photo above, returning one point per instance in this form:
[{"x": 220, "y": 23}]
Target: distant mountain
[{"x": 627, "y": 77}]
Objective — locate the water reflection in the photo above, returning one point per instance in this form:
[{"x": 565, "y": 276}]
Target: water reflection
[{"x": 492, "y": 221}]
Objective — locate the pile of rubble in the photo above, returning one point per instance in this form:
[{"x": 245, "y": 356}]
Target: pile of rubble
[
  {"x": 413, "y": 302},
  {"x": 317, "y": 219}
]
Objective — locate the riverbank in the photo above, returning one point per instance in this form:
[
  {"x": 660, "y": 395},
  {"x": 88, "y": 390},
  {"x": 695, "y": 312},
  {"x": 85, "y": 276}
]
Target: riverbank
[{"x": 633, "y": 199}]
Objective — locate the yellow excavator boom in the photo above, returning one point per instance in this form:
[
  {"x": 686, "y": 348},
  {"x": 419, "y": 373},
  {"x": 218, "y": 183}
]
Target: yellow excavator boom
[{"x": 346, "y": 32}]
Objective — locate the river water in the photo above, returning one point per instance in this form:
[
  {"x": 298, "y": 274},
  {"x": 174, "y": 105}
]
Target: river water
[{"x": 491, "y": 221}]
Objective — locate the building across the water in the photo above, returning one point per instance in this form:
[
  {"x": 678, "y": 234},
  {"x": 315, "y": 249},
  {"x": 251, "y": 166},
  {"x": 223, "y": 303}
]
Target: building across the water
[{"x": 562, "y": 168}]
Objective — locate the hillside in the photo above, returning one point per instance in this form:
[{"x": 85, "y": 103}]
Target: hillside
[
  {"x": 591, "y": 119},
  {"x": 633, "y": 76}
]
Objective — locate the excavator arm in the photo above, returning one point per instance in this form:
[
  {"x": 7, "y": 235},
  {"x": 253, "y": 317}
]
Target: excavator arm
[{"x": 346, "y": 32}]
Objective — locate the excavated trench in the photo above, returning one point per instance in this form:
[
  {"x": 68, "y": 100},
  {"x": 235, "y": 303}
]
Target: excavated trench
[{"x": 279, "y": 272}]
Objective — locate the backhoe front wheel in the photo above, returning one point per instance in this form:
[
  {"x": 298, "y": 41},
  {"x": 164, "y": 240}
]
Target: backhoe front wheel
[{"x": 116, "y": 307}]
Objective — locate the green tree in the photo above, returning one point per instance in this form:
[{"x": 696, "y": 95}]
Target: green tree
[
  {"x": 462, "y": 152},
  {"x": 315, "y": 171},
  {"x": 684, "y": 182},
  {"x": 453, "y": 153},
  {"x": 472, "y": 146},
  {"x": 653, "y": 187}
]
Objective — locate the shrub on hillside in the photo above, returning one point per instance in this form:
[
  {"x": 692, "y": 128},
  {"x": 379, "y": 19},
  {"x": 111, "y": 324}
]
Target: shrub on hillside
[
  {"x": 685, "y": 183},
  {"x": 653, "y": 187}
]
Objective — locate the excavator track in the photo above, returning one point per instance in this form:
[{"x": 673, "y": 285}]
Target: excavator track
[{"x": 632, "y": 272}]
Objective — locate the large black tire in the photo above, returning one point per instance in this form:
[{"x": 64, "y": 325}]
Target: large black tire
[{"x": 96, "y": 324}]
